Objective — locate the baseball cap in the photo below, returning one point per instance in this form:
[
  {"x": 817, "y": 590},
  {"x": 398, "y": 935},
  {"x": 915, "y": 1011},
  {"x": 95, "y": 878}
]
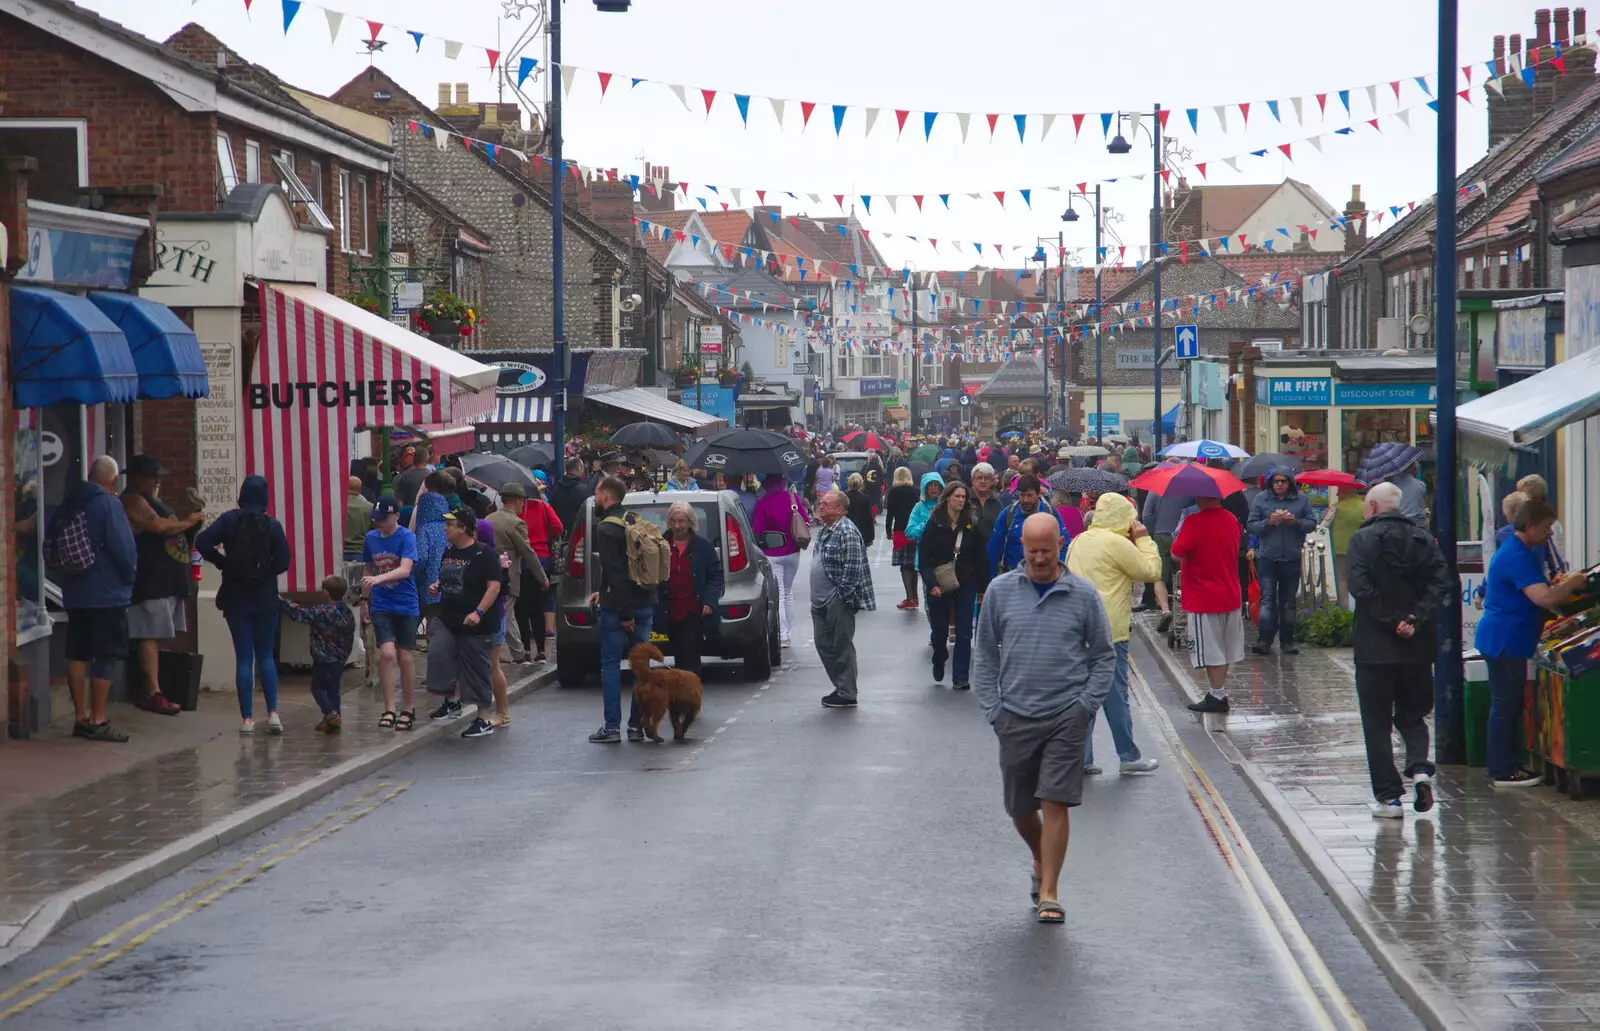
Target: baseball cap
[
  {"x": 385, "y": 507},
  {"x": 463, "y": 515},
  {"x": 145, "y": 465},
  {"x": 513, "y": 490}
]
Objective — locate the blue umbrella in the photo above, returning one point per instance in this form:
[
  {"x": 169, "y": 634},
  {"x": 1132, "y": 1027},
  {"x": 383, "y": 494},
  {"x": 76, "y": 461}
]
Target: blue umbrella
[
  {"x": 1203, "y": 449},
  {"x": 1008, "y": 434},
  {"x": 1386, "y": 461}
]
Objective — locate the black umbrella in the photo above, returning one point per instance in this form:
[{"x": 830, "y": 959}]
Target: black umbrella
[
  {"x": 1260, "y": 465},
  {"x": 535, "y": 456},
  {"x": 1087, "y": 481},
  {"x": 645, "y": 434},
  {"x": 659, "y": 459},
  {"x": 746, "y": 452},
  {"x": 495, "y": 472},
  {"x": 919, "y": 469}
]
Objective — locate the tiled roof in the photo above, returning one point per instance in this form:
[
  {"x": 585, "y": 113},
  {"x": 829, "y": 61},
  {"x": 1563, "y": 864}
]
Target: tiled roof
[
  {"x": 726, "y": 226},
  {"x": 822, "y": 242},
  {"x": 654, "y": 245},
  {"x": 1021, "y": 376},
  {"x": 1584, "y": 216},
  {"x": 1224, "y": 208},
  {"x": 1204, "y": 275},
  {"x": 1512, "y": 212},
  {"x": 1583, "y": 154}
]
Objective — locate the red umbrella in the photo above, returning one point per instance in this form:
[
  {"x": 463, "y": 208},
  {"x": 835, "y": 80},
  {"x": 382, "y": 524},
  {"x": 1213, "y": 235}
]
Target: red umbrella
[
  {"x": 865, "y": 440},
  {"x": 1328, "y": 478},
  {"x": 1189, "y": 478}
]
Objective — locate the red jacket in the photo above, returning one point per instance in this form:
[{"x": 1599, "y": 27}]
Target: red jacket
[
  {"x": 543, "y": 524},
  {"x": 1208, "y": 547}
]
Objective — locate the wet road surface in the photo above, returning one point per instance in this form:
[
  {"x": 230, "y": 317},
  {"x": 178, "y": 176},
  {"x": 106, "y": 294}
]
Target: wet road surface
[{"x": 792, "y": 867}]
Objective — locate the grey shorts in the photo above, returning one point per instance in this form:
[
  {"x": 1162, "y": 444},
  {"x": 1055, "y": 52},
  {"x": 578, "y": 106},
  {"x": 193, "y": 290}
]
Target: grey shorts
[
  {"x": 157, "y": 619},
  {"x": 459, "y": 660},
  {"x": 1216, "y": 638},
  {"x": 1042, "y": 760}
]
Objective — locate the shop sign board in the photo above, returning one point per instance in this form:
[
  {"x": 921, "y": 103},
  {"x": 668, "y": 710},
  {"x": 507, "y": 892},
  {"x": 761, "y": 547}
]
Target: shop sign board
[
  {"x": 203, "y": 264},
  {"x": 1136, "y": 358},
  {"x": 879, "y": 386},
  {"x": 1113, "y": 422},
  {"x": 1583, "y": 308},
  {"x": 1385, "y": 395},
  {"x": 711, "y": 399},
  {"x": 1315, "y": 392},
  {"x": 77, "y": 258},
  {"x": 1521, "y": 339}
]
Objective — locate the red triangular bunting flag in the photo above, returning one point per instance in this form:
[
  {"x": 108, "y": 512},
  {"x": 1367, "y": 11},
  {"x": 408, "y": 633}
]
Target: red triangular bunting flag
[
  {"x": 1241, "y": 239},
  {"x": 680, "y": 235},
  {"x": 373, "y": 28},
  {"x": 934, "y": 240},
  {"x": 1374, "y": 123},
  {"x": 727, "y": 251},
  {"x": 494, "y": 58},
  {"x": 1166, "y": 175},
  {"x": 839, "y": 199},
  {"x": 724, "y": 205},
  {"x": 1083, "y": 188},
  {"x": 1201, "y": 168},
  {"x": 1395, "y": 85},
  {"x": 466, "y": 141},
  {"x": 1161, "y": 116},
  {"x": 1465, "y": 94},
  {"x": 685, "y": 188},
  {"x": 1560, "y": 64},
  {"x": 900, "y": 121},
  {"x": 997, "y": 250},
  {"x": 1000, "y": 195},
  {"x": 1244, "y": 109},
  {"x": 761, "y": 195},
  {"x": 1285, "y": 148},
  {"x": 605, "y": 81},
  {"x": 709, "y": 95},
  {"x": 1313, "y": 234},
  {"x": 992, "y": 120},
  {"x": 864, "y": 234},
  {"x": 794, "y": 220},
  {"x": 918, "y": 198},
  {"x": 412, "y": 127},
  {"x": 1466, "y": 70},
  {"x": 806, "y": 107},
  {"x": 1322, "y": 103},
  {"x": 247, "y": 6},
  {"x": 1077, "y": 125}
]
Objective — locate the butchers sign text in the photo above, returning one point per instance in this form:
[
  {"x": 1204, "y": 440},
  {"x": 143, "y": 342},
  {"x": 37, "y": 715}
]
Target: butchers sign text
[{"x": 329, "y": 394}]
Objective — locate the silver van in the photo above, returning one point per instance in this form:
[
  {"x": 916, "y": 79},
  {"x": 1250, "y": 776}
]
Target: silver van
[{"x": 747, "y": 629}]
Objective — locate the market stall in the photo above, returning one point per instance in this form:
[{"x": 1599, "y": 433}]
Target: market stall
[{"x": 1561, "y": 711}]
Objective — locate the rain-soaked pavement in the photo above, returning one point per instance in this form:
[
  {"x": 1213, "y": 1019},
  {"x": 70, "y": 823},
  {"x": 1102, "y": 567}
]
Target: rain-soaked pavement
[
  {"x": 792, "y": 867},
  {"x": 1492, "y": 903}
]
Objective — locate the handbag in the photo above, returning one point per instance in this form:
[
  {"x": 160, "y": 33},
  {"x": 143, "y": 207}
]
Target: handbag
[
  {"x": 799, "y": 529},
  {"x": 944, "y": 576}
]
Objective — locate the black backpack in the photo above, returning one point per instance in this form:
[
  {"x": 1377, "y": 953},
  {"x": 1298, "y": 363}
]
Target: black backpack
[{"x": 249, "y": 551}]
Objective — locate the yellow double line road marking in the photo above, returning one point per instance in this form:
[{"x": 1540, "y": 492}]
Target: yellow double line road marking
[
  {"x": 1330, "y": 1008},
  {"x": 94, "y": 956}
]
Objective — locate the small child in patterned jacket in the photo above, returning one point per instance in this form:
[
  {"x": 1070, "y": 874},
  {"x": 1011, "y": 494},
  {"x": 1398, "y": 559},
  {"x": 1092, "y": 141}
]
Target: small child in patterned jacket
[{"x": 333, "y": 631}]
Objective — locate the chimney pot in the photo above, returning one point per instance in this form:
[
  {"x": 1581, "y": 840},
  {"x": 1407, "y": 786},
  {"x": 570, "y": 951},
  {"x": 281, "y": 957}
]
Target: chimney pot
[
  {"x": 444, "y": 94},
  {"x": 1562, "y": 18},
  {"x": 1580, "y": 21},
  {"x": 461, "y": 94},
  {"x": 1355, "y": 193},
  {"x": 1541, "y": 25},
  {"x": 1499, "y": 56}
]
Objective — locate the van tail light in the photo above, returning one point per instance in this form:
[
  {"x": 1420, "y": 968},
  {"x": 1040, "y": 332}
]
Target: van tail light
[
  {"x": 580, "y": 618},
  {"x": 738, "y": 553},
  {"x": 736, "y": 611},
  {"x": 575, "y": 552}
]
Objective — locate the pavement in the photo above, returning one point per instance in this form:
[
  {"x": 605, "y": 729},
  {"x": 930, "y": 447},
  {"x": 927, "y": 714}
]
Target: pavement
[
  {"x": 788, "y": 867},
  {"x": 86, "y": 824},
  {"x": 1484, "y": 913}
]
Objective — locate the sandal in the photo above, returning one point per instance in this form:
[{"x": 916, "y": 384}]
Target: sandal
[
  {"x": 1050, "y": 912},
  {"x": 386, "y": 721},
  {"x": 407, "y": 718}
]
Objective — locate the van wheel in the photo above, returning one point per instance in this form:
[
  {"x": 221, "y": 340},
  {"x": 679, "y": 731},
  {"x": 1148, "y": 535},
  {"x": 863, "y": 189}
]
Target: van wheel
[
  {"x": 774, "y": 644},
  {"x": 758, "y": 662},
  {"x": 571, "y": 671}
]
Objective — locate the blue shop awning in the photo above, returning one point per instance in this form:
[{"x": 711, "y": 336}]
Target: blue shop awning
[
  {"x": 1169, "y": 422},
  {"x": 164, "y": 350},
  {"x": 63, "y": 349}
]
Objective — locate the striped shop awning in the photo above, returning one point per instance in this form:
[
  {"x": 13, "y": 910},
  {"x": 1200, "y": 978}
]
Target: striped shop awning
[{"x": 515, "y": 419}]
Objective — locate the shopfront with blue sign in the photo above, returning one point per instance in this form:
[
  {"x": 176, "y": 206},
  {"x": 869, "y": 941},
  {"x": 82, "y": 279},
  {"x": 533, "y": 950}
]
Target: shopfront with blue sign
[{"x": 1331, "y": 421}]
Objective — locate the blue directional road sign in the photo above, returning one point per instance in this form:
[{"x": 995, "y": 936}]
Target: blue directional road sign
[{"x": 1187, "y": 339}]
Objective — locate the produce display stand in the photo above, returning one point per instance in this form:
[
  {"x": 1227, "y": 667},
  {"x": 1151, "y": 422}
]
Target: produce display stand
[{"x": 1561, "y": 706}]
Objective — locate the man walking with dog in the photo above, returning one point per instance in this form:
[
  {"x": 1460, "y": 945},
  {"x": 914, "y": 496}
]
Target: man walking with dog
[
  {"x": 1043, "y": 664},
  {"x": 625, "y": 608},
  {"x": 841, "y": 586}
]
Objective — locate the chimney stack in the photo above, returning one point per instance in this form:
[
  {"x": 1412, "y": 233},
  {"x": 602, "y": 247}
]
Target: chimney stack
[
  {"x": 1499, "y": 56},
  {"x": 1541, "y": 26},
  {"x": 444, "y": 94},
  {"x": 1355, "y": 212},
  {"x": 1580, "y": 22},
  {"x": 461, "y": 95},
  {"x": 1562, "y": 16}
]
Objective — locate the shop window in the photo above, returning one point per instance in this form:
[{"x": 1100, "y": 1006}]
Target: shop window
[
  {"x": 1366, "y": 428},
  {"x": 847, "y": 365},
  {"x": 1303, "y": 434},
  {"x": 932, "y": 372},
  {"x": 227, "y": 171},
  {"x": 59, "y": 145},
  {"x": 305, "y": 203},
  {"x": 316, "y": 185},
  {"x": 252, "y": 161},
  {"x": 872, "y": 362}
]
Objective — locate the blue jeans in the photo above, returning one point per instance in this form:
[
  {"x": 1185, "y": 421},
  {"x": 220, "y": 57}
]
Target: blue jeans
[
  {"x": 614, "y": 645},
  {"x": 1119, "y": 717},
  {"x": 325, "y": 678},
  {"x": 939, "y": 610},
  {"x": 255, "y": 634},
  {"x": 1280, "y": 585},
  {"x": 1508, "y": 676}
]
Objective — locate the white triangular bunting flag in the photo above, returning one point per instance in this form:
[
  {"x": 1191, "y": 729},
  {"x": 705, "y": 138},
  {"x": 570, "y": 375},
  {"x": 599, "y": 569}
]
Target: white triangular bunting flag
[
  {"x": 1049, "y": 120},
  {"x": 440, "y": 137},
  {"x": 1372, "y": 98},
  {"x": 738, "y": 198},
  {"x": 814, "y": 198},
  {"x": 1493, "y": 85},
  {"x": 1133, "y": 123},
  {"x": 962, "y": 119},
  {"x": 677, "y": 91},
  {"x": 888, "y": 199},
  {"x": 1299, "y": 114},
  {"x": 335, "y": 18},
  {"x": 1404, "y": 116},
  {"x": 777, "y": 108},
  {"x": 872, "y": 116},
  {"x": 567, "y": 72},
  {"x": 452, "y": 49},
  {"x": 1315, "y": 141},
  {"x": 1222, "y": 116},
  {"x": 1515, "y": 63},
  {"x": 1232, "y": 163}
]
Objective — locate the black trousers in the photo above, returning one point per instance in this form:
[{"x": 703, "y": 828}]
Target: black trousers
[
  {"x": 684, "y": 636},
  {"x": 1397, "y": 696},
  {"x": 529, "y": 612}
]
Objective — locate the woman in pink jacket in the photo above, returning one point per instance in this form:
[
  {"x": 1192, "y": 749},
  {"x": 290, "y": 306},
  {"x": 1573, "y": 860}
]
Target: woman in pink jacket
[{"x": 774, "y": 513}]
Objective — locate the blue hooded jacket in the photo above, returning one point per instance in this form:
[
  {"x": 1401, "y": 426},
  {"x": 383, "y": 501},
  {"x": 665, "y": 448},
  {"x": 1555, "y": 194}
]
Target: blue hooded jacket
[
  {"x": 431, "y": 542},
  {"x": 108, "y": 584},
  {"x": 234, "y": 597},
  {"x": 1280, "y": 542}
]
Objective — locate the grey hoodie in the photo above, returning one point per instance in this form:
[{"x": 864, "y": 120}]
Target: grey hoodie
[
  {"x": 1280, "y": 542},
  {"x": 1036, "y": 656}
]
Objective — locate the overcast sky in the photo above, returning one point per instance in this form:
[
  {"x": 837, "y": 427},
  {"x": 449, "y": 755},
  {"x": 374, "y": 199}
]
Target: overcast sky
[{"x": 1022, "y": 56}]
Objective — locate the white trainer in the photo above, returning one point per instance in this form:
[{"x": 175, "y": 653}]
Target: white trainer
[
  {"x": 1144, "y": 764},
  {"x": 1388, "y": 810}
]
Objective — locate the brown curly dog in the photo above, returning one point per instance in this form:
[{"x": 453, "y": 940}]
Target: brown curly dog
[{"x": 661, "y": 691}]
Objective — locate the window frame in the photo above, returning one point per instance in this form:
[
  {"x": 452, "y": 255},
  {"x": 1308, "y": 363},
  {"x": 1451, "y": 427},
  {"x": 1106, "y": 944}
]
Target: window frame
[
  {"x": 316, "y": 184},
  {"x": 299, "y": 194},
  {"x": 364, "y": 192},
  {"x": 252, "y": 161},
  {"x": 227, "y": 164},
  {"x": 344, "y": 210}
]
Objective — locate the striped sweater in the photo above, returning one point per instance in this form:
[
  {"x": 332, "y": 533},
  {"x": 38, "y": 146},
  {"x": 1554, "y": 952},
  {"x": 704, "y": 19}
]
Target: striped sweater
[{"x": 1035, "y": 656}]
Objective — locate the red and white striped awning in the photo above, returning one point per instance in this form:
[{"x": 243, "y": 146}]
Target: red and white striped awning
[
  {"x": 324, "y": 369},
  {"x": 452, "y": 441}
]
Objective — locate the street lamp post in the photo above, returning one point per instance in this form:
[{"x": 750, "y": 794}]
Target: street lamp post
[
  {"x": 1449, "y": 740},
  {"x": 1043, "y": 258},
  {"x": 1119, "y": 145},
  {"x": 1099, "y": 342}
]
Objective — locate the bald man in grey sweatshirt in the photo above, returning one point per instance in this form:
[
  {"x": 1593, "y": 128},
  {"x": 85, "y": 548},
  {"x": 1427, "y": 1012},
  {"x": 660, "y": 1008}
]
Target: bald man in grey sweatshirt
[{"x": 1042, "y": 665}]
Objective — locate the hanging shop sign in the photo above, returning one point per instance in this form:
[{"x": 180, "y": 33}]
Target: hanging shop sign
[
  {"x": 519, "y": 378},
  {"x": 1295, "y": 393},
  {"x": 203, "y": 263},
  {"x": 1521, "y": 339},
  {"x": 73, "y": 247},
  {"x": 879, "y": 387},
  {"x": 1385, "y": 395}
]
